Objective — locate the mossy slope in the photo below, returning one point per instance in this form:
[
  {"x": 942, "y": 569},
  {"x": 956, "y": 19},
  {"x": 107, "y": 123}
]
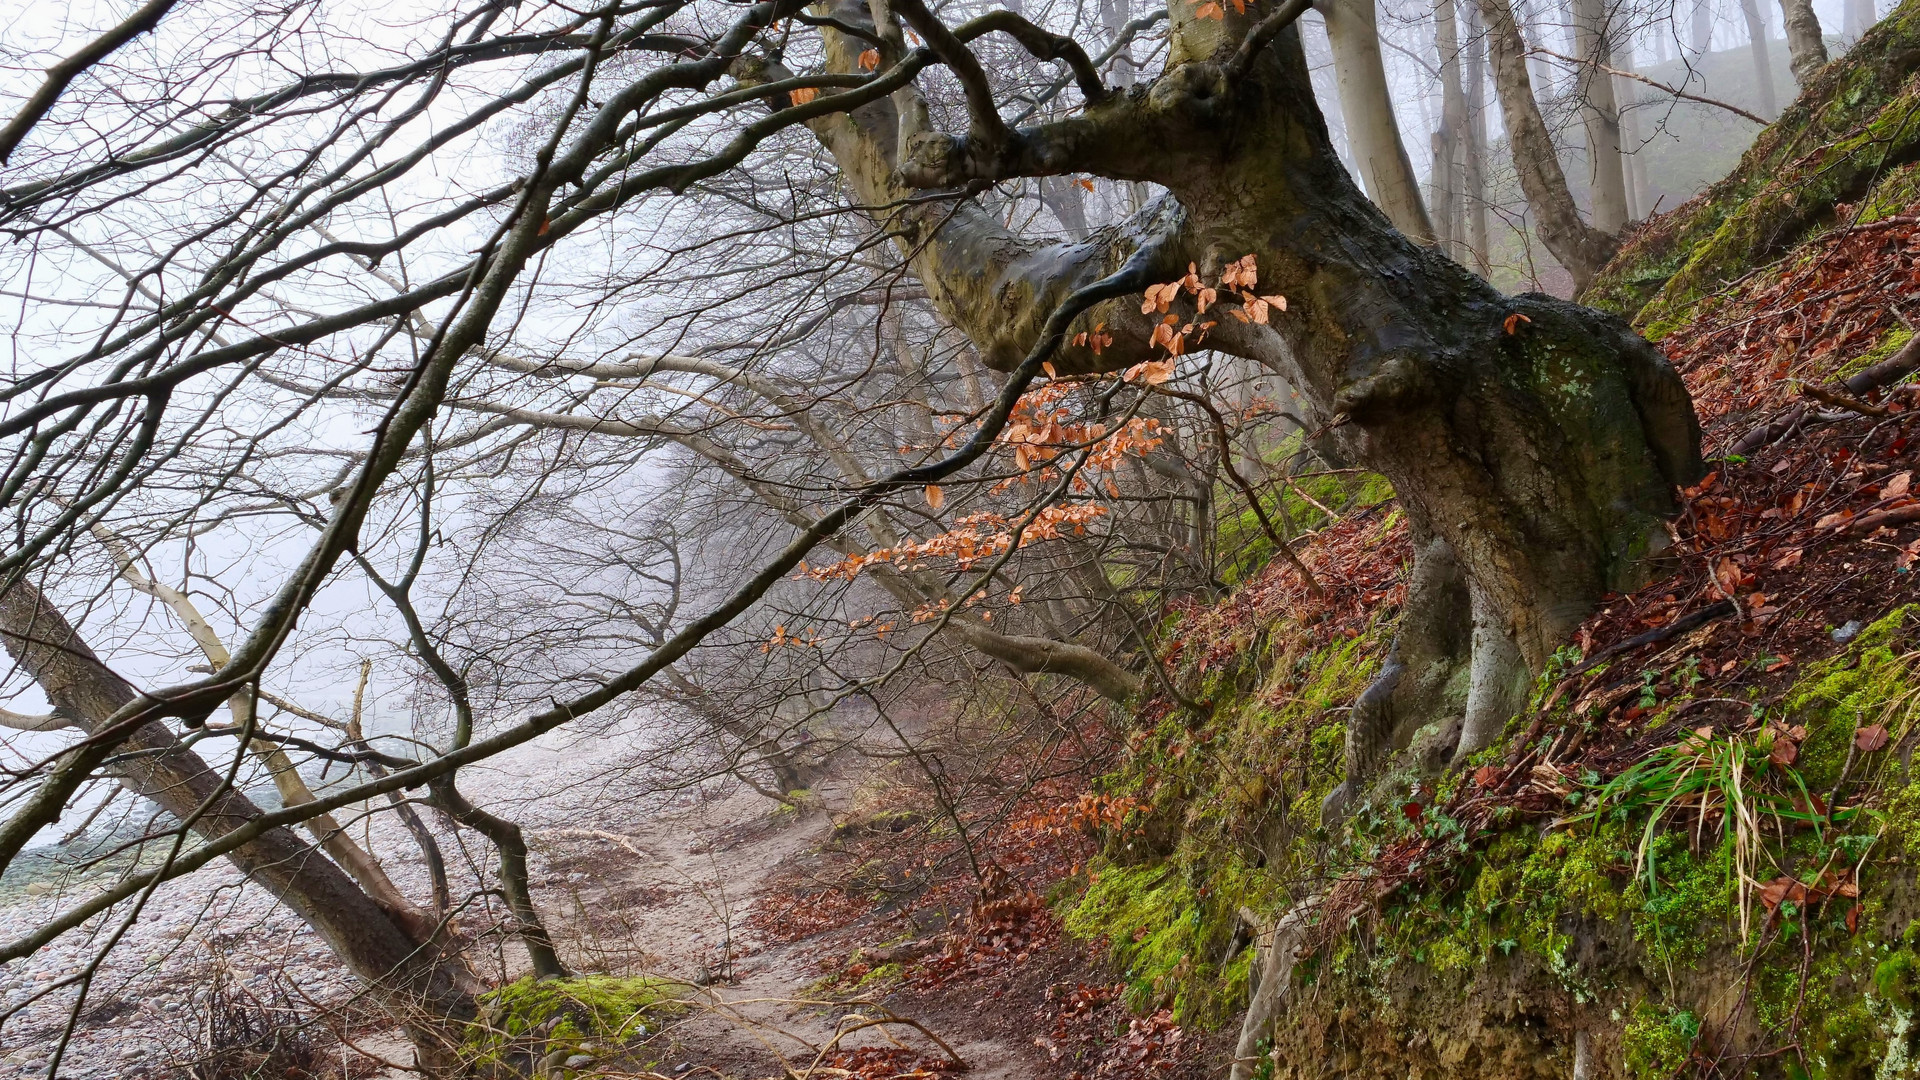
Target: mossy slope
[{"x": 1849, "y": 138}]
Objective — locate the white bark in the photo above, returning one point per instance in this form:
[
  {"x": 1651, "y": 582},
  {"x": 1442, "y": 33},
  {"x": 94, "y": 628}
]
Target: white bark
[
  {"x": 1762, "y": 63},
  {"x": 1601, "y": 116},
  {"x": 1804, "y": 43},
  {"x": 1361, "y": 74}
]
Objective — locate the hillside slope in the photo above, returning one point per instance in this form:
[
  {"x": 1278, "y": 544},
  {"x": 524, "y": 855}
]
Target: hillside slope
[{"x": 1692, "y": 855}]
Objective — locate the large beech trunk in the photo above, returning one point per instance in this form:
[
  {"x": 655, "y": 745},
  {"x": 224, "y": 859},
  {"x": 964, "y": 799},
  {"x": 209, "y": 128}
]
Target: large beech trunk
[
  {"x": 427, "y": 993},
  {"x": 1534, "y": 444}
]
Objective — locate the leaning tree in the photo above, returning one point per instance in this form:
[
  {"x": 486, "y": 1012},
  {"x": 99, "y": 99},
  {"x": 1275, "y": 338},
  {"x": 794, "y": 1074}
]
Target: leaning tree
[{"x": 263, "y": 267}]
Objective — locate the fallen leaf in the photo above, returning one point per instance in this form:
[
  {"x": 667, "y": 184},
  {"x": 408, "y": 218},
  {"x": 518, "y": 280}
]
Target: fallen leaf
[
  {"x": 804, "y": 94},
  {"x": 1871, "y": 739},
  {"x": 1896, "y": 485},
  {"x": 1486, "y": 776},
  {"x": 1413, "y": 810},
  {"x": 1085, "y": 183},
  {"x": 1513, "y": 322},
  {"x": 935, "y": 497},
  {"x": 1853, "y": 918},
  {"x": 870, "y": 59}
]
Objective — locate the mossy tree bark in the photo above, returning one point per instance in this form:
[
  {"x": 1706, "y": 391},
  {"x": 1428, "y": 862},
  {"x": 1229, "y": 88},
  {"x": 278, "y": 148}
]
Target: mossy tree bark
[
  {"x": 1806, "y": 47},
  {"x": 1534, "y": 444}
]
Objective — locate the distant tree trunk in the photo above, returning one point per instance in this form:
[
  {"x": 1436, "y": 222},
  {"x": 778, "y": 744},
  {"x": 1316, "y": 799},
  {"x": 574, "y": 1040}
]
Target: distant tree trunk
[
  {"x": 1860, "y": 17},
  {"x": 1762, "y": 63},
  {"x": 1639, "y": 193},
  {"x": 1527, "y": 12},
  {"x": 1450, "y": 137},
  {"x": 1806, "y": 48},
  {"x": 1065, "y": 199},
  {"x": 1579, "y": 247},
  {"x": 1475, "y": 193},
  {"x": 1592, "y": 32},
  {"x": 427, "y": 993},
  {"x": 1361, "y": 74},
  {"x": 1702, "y": 41}
]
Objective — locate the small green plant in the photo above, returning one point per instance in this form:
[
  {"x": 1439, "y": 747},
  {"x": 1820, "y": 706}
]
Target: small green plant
[
  {"x": 1714, "y": 784},
  {"x": 1657, "y": 1042}
]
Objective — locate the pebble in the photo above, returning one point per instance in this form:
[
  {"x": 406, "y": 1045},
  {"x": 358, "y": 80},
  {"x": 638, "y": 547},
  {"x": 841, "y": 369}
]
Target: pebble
[{"x": 1847, "y": 632}]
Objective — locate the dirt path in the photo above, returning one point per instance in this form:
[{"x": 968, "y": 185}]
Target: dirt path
[{"x": 678, "y": 888}]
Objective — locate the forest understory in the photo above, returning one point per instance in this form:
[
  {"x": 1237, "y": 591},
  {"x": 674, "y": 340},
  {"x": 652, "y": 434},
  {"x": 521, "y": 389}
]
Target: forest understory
[{"x": 1209, "y": 633}]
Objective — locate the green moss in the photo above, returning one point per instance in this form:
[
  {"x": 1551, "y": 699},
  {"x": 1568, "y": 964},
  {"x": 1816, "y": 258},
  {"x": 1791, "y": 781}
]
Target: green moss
[
  {"x": 531, "y": 1018},
  {"x": 1872, "y": 682},
  {"x": 1675, "y": 915},
  {"x": 1657, "y": 1041},
  {"x": 1232, "y": 811}
]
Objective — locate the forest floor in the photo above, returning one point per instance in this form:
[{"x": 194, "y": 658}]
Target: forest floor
[{"x": 763, "y": 910}]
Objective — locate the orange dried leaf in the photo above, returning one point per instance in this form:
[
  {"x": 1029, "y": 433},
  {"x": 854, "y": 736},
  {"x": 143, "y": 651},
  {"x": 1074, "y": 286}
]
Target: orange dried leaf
[
  {"x": 1513, "y": 322},
  {"x": 935, "y": 497},
  {"x": 870, "y": 59},
  {"x": 1085, "y": 183},
  {"x": 804, "y": 94}
]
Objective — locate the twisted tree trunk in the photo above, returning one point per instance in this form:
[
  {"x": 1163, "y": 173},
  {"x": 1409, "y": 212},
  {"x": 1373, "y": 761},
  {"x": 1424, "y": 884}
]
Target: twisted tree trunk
[{"x": 1534, "y": 445}]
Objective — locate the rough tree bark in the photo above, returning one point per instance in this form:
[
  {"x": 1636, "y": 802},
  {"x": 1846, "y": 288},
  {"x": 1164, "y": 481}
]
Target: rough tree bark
[
  {"x": 428, "y": 993},
  {"x": 1806, "y": 49},
  {"x": 1576, "y": 245}
]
